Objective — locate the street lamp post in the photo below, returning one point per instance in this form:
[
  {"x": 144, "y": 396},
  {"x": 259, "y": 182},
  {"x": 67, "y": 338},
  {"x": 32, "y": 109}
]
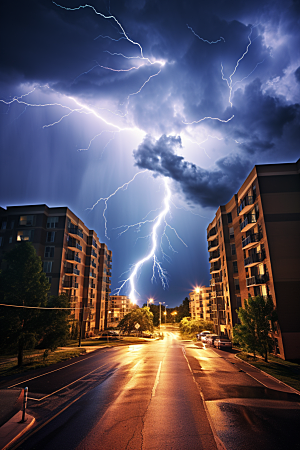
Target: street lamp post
[
  {"x": 150, "y": 300},
  {"x": 165, "y": 313}
]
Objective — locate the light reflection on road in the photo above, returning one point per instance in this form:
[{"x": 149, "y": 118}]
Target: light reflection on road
[{"x": 134, "y": 348}]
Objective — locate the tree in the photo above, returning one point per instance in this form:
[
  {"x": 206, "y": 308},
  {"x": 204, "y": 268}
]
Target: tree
[
  {"x": 24, "y": 285},
  {"x": 190, "y": 326},
  {"x": 142, "y": 316},
  {"x": 257, "y": 320}
]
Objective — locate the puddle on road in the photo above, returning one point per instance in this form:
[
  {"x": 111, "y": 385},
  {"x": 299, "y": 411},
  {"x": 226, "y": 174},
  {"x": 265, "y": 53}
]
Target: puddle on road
[{"x": 260, "y": 392}]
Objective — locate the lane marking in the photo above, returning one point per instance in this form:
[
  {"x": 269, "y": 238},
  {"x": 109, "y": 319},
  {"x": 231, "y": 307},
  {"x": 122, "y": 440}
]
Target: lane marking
[
  {"x": 156, "y": 380},
  {"x": 52, "y": 371},
  {"x": 64, "y": 387}
]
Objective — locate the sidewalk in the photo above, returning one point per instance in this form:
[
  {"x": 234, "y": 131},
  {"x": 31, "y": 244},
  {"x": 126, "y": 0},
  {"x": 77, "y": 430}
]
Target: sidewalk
[{"x": 12, "y": 430}]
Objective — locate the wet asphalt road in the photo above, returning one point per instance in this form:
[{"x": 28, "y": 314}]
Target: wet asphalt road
[{"x": 164, "y": 395}]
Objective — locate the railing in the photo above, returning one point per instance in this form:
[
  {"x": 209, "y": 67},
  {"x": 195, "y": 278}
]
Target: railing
[
  {"x": 212, "y": 232},
  {"x": 93, "y": 264},
  {"x": 92, "y": 285},
  {"x": 213, "y": 243},
  {"x": 246, "y": 202},
  {"x": 254, "y": 258},
  {"x": 215, "y": 267},
  {"x": 75, "y": 230},
  {"x": 72, "y": 271},
  {"x": 108, "y": 274},
  {"x": 94, "y": 253},
  {"x": 255, "y": 237},
  {"x": 72, "y": 257},
  {"x": 93, "y": 275},
  {"x": 249, "y": 219},
  {"x": 70, "y": 284},
  {"x": 215, "y": 254},
  {"x": 78, "y": 246},
  {"x": 257, "y": 279}
]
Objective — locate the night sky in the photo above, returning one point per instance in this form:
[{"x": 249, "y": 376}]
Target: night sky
[{"x": 149, "y": 95}]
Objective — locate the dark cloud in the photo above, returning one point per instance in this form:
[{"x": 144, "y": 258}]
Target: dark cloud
[
  {"x": 297, "y": 74},
  {"x": 207, "y": 188}
]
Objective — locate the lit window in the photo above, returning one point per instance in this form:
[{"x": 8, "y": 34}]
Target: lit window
[
  {"x": 25, "y": 235},
  {"x": 27, "y": 220},
  {"x": 52, "y": 222}
]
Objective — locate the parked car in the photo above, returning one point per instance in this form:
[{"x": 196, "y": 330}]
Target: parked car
[
  {"x": 210, "y": 338},
  {"x": 109, "y": 335},
  {"x": 202, "y": 335},
  {"x": 223, "y": 343}
]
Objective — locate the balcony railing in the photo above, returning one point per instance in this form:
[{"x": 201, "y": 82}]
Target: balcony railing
[
  {"x": 93, "y": 264},
  {"x": 251, "y": 219},
  {"x": 257, "y": 279},
  {"x": 70, "y": 256},
  {"x": 248, "y": 201},
  {"x": 214, "y": 255},
  {"x": 92, "y": 285},
  {"x": 215, "y": 267},
  {"x": 73, "y": 229},
  {"x": 254, "y": 259},
  {"x": 71, "y": 270},
  {"x": 94, "y": 253},
  {"x": 212, "y": 232},
  {"x": 93, "y": 275},
  {"x": 252, "y": 238},
  {"x": 70, "y": 284},
  {"x": 108, "y": 273},
  {"x": 212, "y": 244}
]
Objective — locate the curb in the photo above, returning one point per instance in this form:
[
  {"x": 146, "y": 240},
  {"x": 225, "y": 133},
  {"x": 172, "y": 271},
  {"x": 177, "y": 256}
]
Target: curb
[
  {"x": 12, "y": 430},
  {"x": 268, "y": 375}
]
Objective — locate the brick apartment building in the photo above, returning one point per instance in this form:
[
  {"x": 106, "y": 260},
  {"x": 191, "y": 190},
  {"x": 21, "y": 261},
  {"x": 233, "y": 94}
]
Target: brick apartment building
[
  {"x": 118, "y": 307},
  {"x": 200, "y": 303},
  {"x": 254, "y": 249},
  {"x": 74, "y": 260}
]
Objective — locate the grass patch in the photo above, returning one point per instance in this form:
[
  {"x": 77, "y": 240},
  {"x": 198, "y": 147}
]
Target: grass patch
[
  {"x": 285, "y": 371},
  {"x": 37, "y": 361}
]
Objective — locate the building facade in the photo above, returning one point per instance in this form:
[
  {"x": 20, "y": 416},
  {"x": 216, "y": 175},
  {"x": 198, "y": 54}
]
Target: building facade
[
  {"x": 254, "y": 249},
  {"x": 118, "y": 307},
  {"x": 200, "y": 303},
  {"x": 74, "y": 260}
]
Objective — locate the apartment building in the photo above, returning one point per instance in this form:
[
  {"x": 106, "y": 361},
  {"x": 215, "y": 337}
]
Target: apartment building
[
  {"x": 74, "y": 260},
  {"x": 254, "y": 249},
  {"x": 200, "y": 303},
  {"x": 118, "y": 307}
]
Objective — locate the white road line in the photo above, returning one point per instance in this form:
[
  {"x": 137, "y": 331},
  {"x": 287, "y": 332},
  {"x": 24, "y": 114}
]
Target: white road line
[
  {"x": 52, "y": 371},
  {"x": 64, "y": 387},
  {"x": 156, "y": 380}
]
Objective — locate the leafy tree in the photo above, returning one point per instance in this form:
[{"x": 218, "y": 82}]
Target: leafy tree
[
  {"x": 24, "y": 284},
  {"x": 257, "y": 320},
  {"x": 191, "y": 327},
  {"x": 142, "y": 316},
  {"x": 183, "y": 310},
  {"x": 56, "y": 329}
]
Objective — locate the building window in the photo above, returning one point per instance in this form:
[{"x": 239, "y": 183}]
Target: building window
[
  {"x": 1, "y": 241},
  {"x": 233, "y": 251},
  {"x": 52, "y": 222},
  {"x": 235, "y": 267},
  {"x": 3, "y": 225},
  {"x": 10, "y": 239},
  {"x": 47, "y": 266},
  {"x": 237, "y": 285},
  {"x": 49, "y": 279},
  {"x": 12, "y": 224},
  {"x": 50, "y": 236},
  {"x": 229, "y": 217},
  {"x": 25, "y": 235},
  {"x": 231, "y": 233},
  {"x": 27, "y": 220},
  {"x": 49, "y": 252}
]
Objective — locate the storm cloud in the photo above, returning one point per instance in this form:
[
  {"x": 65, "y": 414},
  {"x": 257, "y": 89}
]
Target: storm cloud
[{"x": 200, "y": 186}]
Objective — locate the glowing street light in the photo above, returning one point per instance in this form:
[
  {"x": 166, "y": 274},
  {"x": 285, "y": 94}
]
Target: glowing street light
[{"x": 150, "y": 300}]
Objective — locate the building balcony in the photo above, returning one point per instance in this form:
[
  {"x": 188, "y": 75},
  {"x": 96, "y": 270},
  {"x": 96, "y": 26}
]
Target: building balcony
[
  {"x": 214, "y": 256},
  {"x": 93, "y": 253},
  {"x": 71, "y": 270},
  {"x": 254, "y": 259},
  {"x": 92, "y": 295},
  {"x": 215, "y": 267},
  {"x": 213, "y": 245},
  {"x": 108, "y": 273},
  {"x": 257, "y": 279},
  {"x": 251, "y": 241},
  {"x": 69, "y": 284},
  {"x": 248, "y": 223},
  {"x": 70, "y": 256},
  {"x": 92, "y": 285},
  {"x": 108, "y": 265},
  {"x": 93, "y": 264},
  {"x": 212, "y": 234},
  {"x": 93, "y": 275},
  {"x": 246, "y": 205},
  {"x": 73, "y": 229},
  {"x": 215, "y": 294}
]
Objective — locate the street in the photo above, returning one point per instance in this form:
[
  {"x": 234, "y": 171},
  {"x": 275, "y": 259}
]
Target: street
[{"x": 168, "y": 394}]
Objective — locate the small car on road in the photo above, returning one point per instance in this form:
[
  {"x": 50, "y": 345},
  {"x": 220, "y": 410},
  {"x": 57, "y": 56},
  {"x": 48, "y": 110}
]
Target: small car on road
[
  {"x": 223, "y": 343},
  {"x": 210, "y": 338},
  {"x": 202, "y": 335}
]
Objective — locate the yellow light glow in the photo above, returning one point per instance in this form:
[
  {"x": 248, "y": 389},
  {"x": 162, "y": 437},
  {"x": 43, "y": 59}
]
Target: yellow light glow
[{"x": 197, "y": 290}]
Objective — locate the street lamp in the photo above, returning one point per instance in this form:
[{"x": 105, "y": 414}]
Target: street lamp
[
  {"x": 174, "y": 313},
  {"x": 150, "y": 300},
  {"x": 165, "y": 313}
]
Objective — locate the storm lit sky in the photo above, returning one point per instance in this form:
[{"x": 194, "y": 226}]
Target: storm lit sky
[{"x": 174, "y": 101}]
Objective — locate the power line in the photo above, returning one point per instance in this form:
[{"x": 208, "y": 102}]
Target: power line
[{"x": 33, "y": 307}]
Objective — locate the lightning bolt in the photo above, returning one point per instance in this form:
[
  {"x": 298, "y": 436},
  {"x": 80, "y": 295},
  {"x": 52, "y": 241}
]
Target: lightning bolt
[{"x": 205, "y": 40}]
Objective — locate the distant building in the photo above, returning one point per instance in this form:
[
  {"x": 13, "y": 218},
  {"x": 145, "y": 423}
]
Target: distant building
[
  {"x": 74, "y": 260},
  {"x": 200, "y": 303},
  {"x": 254, "y": 249},
  {"x": 118, "y": 307}
]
